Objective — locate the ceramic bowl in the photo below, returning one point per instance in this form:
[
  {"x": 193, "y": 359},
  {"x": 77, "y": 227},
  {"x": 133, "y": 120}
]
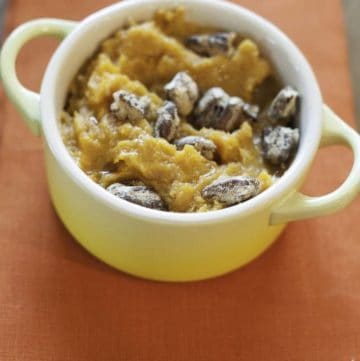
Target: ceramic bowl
[{"x": 165, "y": 245}]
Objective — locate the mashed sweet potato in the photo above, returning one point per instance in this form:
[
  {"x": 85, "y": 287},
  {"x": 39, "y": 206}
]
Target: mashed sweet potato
[{"x": 142, "y": 58}]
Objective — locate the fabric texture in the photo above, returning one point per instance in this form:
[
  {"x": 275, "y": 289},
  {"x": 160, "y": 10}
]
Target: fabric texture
[{"x": 299, "y": 301}]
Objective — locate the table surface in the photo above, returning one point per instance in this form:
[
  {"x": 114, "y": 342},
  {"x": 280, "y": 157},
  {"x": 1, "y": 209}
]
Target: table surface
[{"x": 299, "y": 301}]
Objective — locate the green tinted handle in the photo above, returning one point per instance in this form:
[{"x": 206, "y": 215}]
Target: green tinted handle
[
  {"x": 299, "y": 206},
  {"x": 26, "y": 101}
]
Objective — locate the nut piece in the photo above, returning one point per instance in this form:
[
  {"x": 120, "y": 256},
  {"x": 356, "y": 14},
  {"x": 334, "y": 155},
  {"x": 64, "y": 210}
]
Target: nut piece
[
  {"x": 183, "y": 91},
  {"x": 167, "y": 122},
  {"x": 251, "y": 111},
  {"x": 210, "y": 107},
  {"x": 140, "y": 195},
  {"x": 213, "y": 44},
  {"x": 218, "y": 110},
  {"x": 284, "y": 105},
  {"x": 232, "y": 117},
  {"x": 206, "y": 147},
  {"x": 278, "y": 143},
  {"x": 232, "y": 190},
  {"x": 212, "y": 96},
  {"x": 128, "y": 106}
]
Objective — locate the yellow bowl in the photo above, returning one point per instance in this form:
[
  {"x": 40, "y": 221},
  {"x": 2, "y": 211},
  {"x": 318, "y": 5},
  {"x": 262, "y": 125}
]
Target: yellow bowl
[{"x": 164, "y": 245}]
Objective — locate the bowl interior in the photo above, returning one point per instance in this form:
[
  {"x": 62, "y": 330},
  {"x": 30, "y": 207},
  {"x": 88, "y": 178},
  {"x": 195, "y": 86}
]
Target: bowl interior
[{"x": 288, "y": 61}]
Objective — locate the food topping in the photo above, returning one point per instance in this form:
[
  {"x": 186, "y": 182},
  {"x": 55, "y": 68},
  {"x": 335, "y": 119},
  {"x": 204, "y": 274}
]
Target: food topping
[
  {"x": 284, "y": 106},
  {"x": 183, "y": 91},
  {"x": 217, "y": 110},
  {"x": 211, "y": 109},
  {"x": 167, "y": 121},
  {"x": 212, "y": 44},
  {"x": 127, "y": 106},
  {"x": 279, "y": 143},
  {"x": 205, "y": 146},
  {"x": 232, "y": 190},
  {"x": 140, "y": 195},
  {"x": 251, "y": 111}
]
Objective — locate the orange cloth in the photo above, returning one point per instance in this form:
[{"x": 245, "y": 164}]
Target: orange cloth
[{"x": 299, "y": 301}]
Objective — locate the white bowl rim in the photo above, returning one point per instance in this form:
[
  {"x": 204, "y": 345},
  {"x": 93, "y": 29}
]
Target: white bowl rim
[{"x": 276, "y": 193}]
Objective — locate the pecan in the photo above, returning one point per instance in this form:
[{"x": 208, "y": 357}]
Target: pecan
[
  {"x": 210, "y": 107},
  {"x": 251, "y": 111},
  {"x": 183, "y": 91},
  {"x": 128, "y": 106},
  {"x": 211, "y": 44},
  {"x": 218, "y": 110},
  {"x": 232, "y": 190},
  {"x": 140, "y": 195},
  {"x": 206, "y": 147},
  {"x": 278, "y": 143},
  {"x": 284, "y": 105},
  {"x": 167, "y": 121},
  {"x": 232, "y": 116}
]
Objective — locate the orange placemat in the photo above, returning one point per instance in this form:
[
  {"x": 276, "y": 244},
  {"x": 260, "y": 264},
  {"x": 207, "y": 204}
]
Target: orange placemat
[{"x": 299, "y": 301}]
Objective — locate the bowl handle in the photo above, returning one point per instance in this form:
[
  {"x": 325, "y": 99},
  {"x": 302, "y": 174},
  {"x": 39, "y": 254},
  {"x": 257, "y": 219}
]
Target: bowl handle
[
  {"x": 26, "y": 101},
  {"x": 299, "y": 206}
]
